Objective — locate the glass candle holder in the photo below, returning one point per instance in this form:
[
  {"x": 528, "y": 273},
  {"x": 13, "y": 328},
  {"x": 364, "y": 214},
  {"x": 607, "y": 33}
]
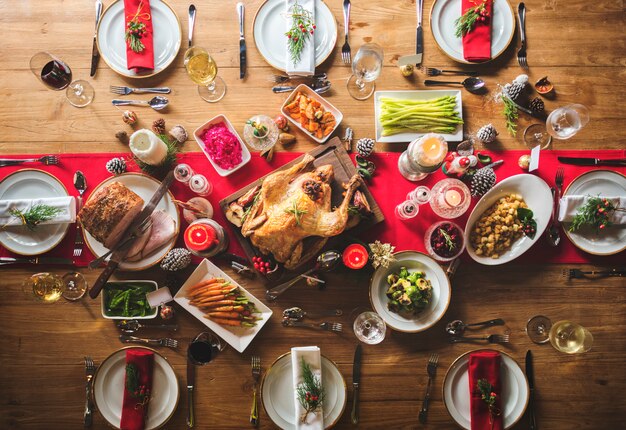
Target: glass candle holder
[
  {"x": 423, "y": 156},
  {"x": 450, "y": 198},
  {"x": 260, "y": 133}
]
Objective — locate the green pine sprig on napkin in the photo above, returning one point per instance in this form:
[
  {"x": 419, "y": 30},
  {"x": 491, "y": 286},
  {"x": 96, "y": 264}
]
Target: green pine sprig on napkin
[
  {"x": 302, "y": 28},
  {"x": 310, "y": 392},
  {"x": 35, "y": 215}
]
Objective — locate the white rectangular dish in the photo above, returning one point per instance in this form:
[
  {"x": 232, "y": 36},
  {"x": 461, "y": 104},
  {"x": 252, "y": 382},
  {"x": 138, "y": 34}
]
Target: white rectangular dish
[
  {"x": 245, "y": 153},
  {"x": 457, "y": 136},
  {"x": 237, "y": 337},
  {"x": 307, "y": 91}
]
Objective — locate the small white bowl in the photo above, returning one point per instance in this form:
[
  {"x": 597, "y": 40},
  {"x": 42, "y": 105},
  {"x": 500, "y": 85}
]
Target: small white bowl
[
  {"x": 307, "y": 91},
  {"x": 245, "y": 153},
  {"x": 122, "y": 283}
]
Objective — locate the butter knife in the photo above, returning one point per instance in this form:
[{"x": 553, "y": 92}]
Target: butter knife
[
  {"x": 356, "y": 380},
  {"x": 4, "y": 261},
  {"x": 191, "y": 382},
  {"x": 133, "y": 230},
  {"x": 242, "y": 42},
  {"x": 530, "y": 375},
  {"x": 95, "y": 55}
]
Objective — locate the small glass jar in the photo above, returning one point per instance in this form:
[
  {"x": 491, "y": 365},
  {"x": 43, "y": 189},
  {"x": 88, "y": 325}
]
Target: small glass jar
[
  {"x": 200, "y": 185},
  {"x": 450, "y": 198},
  {"x": 260, "y": 133},
  {"x": 407, "y": 209},
  {"x": 444, "y": 241},
  {"x": 218, "y": 245},
  {"x": 183, "y": 173}
]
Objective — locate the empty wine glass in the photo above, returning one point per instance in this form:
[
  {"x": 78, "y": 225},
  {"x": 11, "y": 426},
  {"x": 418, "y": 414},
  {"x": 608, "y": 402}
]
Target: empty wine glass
[
  {"x": 537, "y": 135},
  {"x": 565, "y": 122},
  {"x": 538, "y": 328},
  {"x": 369, "y": 328},
  {"x": 57, "y": 75},
  {"x": 75, "y": 286},
  {"x": 202, "y": 69},
  {"x": 366, "y": 67}
]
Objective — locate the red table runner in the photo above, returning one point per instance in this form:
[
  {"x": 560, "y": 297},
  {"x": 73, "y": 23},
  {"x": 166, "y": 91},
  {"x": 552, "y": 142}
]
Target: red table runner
[{"x": 388, "y": 187}]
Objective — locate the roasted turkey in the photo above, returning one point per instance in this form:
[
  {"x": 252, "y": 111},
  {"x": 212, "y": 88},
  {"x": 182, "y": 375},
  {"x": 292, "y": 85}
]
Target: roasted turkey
[{"x": 293, "y": 205}]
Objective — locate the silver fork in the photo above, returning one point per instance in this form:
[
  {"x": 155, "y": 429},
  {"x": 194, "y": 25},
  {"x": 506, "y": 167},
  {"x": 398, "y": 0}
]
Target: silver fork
[
  {"x": 431, "y": 368},
  {"x": 346, "y": 53},
  {"x": 580, "y": 274},
  {"x": 493, "y": 338},
  {"x": 46, "y": 159},
  {"x": 431, "y": 71},
  {"x": 93, "y": 264},
  {"x": 327, "y": 326},
  {"x": 165, "y": 341},
  {"x": 128, "y": 90},
  {"x": 90, "y": 369},
  {"x": 256, "y": 374},
  {"x": 521, "y": 54}
]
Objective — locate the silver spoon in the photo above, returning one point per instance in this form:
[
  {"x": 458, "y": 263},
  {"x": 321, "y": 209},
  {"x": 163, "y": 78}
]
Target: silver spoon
[
  {"x": 156, "y": 103},
  {"x": 131, "y": 326},
  {"x": 457, "y": 327},
  {"x": 326, "y": 261},
  {"x": 471, "y": 84},
  {"x": 298, "y": 314}
]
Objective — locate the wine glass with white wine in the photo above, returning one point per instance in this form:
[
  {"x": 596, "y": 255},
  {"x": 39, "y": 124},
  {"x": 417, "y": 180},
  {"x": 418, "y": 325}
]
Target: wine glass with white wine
[
  {"x": 202, "y": 69},
  {"x": 366, "y": 68}
]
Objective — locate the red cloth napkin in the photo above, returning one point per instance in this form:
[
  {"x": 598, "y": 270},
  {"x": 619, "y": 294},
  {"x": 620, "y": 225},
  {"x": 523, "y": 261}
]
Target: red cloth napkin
[
  {"x": 144, "y": 59},
  {"x": 477, "y": 43},
  {"x": 484, "y": 365},
  {"x": 133, "y": 417}
]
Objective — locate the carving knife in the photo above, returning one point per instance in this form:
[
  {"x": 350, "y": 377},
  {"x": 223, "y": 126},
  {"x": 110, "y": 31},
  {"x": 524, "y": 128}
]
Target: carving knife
[
  {"x": 589, "y": 161},
  {"x": 530, "y": 375},
  {"x": 191, "y": 382},
  {"x": 356, "y": 379},
  {"x": 35, "y": 260},
  {"x": 95, "y": 55},
  {"x": 242, "y": 42},
  {"x": 419, "y": 40},
  {"x": 133, "y": 230}
]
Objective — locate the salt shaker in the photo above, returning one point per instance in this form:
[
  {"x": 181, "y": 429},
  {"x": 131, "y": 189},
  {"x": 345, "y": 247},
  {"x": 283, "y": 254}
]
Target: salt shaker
[{"x": 200, "y": 185}]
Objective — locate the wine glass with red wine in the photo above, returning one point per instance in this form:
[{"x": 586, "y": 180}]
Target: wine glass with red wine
[
  {"x": 204, "y": 348},
  {"x": 57, "y": 75}
]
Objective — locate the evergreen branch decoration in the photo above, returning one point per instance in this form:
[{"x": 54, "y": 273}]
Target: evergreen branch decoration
[
  {"x": 302, "y": 28},
  {"x": 310, "y": 392},
  {"x": 35, "y": 215}
]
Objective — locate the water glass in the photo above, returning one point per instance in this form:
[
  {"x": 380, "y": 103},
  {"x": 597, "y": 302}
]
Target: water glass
[
  {"x": 366, "y": 67},
  {"x": 565, "y": 122},
  {"x": 369, "y": 328}
]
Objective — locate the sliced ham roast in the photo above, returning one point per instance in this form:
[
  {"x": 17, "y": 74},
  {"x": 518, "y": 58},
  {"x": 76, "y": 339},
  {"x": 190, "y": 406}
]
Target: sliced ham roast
[
  {"x": 163, "y": 230},
  {"x": 134, "y": 254},
  {"x": 109, "y": 212}
]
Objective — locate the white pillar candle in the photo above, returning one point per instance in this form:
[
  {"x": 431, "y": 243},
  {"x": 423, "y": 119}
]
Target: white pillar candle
[
  {"x": 430, "y": 150},
  {"x": 148, "y": 147}
]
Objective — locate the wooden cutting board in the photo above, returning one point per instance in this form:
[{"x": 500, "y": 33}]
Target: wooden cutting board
[{"x": 331, "y": 153}]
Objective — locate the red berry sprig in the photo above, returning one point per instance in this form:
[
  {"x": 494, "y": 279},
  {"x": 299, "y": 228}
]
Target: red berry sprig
[
  {"x": 466, "y": 22},
  {"x": 262, "y": 266},
  {"x": 301, "y": 29}
]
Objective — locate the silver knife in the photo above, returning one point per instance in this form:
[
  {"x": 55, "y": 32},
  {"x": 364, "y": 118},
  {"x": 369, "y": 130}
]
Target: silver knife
[
  {"x": 132, "y": 230},
  {"x": 36, "y": 260},
  {"x": 530, "y": 375},
  {"x": 95, "y": 55},
  {"x": 242, "y": 42},
  {"x": 356, "y": 379},
  {"x": 191, "y": 382},
  {"x": 589, "y": 161},
  {"x": 416, "y": 59}
]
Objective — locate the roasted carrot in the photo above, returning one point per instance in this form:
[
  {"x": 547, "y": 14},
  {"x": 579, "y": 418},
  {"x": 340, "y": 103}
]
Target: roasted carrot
[
  {"x": 212, "y": 299},
  {"x": 234, "y": 323},
  {"x": 232, "y": 302},
  {"x": 215, "y": 292},
  {"x": 211, "y": 287},
  {"x": 203, "y": 283},
  {"x": 227, "y": 315}
]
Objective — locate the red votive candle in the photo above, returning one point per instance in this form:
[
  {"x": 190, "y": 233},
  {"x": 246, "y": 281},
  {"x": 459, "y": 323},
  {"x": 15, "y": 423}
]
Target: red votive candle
[
  {"x": 200, "y": 237},
  {"x": 355, "y": 256}
]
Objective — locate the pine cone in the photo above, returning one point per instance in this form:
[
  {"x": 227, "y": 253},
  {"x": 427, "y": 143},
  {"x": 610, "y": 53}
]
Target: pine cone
[
  {"x": 487, "y": 133},
  {"x": 176, "y": 259},
  {"x": 365, "y": 147},
  {"x": 514, "y": 90},
  {"x": 482, "y": 181},
  {"x": 158, "y": 126},
  {"x": 537, "y": 105},
  {"x": 116, "y": 166}
]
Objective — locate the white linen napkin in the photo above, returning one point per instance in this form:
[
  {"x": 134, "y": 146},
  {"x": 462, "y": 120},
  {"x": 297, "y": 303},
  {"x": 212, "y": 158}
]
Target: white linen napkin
[
  {"x": 568, "y": 207},
  {"x": 67, "y": 205},
  {"x": 311, "y": 355},
  {"x": 306, "y": 65}
]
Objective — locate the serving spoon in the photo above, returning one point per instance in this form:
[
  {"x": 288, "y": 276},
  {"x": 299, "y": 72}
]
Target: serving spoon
[
  {"x": 471, "y": 84},
  {"x": 457, "y": 327},
  {"x": 156, "y": 103}
]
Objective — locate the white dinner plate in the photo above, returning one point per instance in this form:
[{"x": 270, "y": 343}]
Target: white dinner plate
[
  {"x": 456, "y": 395},
  {"x": 457, "y": 136},
  {"x": 413, "y": 261},
  {"x": 445, "y": 12},
  {"x": 538, "y": 197},
  {"x": 237, "y": 337},
  {"x": 108, "y": 389},
  {"x": 145, "y": 187},
  {"x": 112, "y": 45},
  {"x": 270, "y": 26},
  {"x": 278, "y": 395},
  {"x": 611, "y": 240},
  {"x": 32, "y": 184}
]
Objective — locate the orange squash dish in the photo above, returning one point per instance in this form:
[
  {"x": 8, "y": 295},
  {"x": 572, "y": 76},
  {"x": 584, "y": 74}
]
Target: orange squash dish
[{"x": 312, "y": 115}]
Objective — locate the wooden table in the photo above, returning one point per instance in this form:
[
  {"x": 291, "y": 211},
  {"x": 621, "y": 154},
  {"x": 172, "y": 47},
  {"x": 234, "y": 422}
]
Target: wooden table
[{"x": 579, "y": 44}]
